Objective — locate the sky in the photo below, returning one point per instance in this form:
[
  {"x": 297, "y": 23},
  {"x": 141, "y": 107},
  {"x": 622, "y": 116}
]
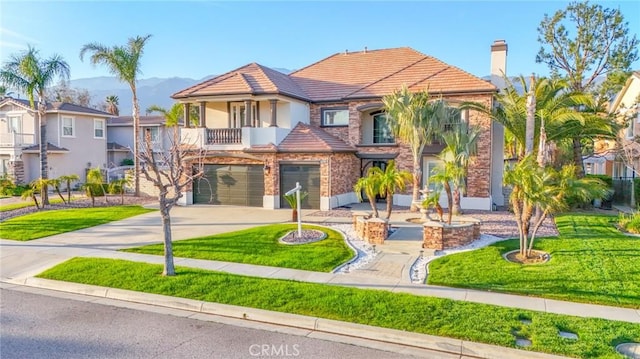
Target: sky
[{"x": 195, "y": 39}]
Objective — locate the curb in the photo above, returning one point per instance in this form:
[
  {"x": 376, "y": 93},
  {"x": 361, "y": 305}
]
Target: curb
[{"x": 421, "y": 341}]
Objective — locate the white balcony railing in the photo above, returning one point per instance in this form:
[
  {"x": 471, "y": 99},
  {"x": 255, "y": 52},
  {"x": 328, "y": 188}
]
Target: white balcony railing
[
  {"x": 232, "y": 138},
  {"x": 17, "y": 139}
]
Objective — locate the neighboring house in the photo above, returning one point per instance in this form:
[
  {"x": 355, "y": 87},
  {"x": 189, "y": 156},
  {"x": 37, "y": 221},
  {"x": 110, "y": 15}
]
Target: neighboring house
[
  {"x": 621, "y": 159},
  {"x": 76, "y": 136},
  {"x": 324, "y": 126},
  {"x": 120, "y": 135}
]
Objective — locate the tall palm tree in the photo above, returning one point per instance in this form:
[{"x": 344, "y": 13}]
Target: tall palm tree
[
  {"x": 32, "y": 75},
  {"x": 4, "y": 92},
  {"x": 461, "y": 143},
  {"x": 124, "y": 63},
  {"x": 112, "y": 102},
  {"x": 416, "y": 120}
]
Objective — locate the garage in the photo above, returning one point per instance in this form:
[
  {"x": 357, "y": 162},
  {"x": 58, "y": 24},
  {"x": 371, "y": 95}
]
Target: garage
[
  {"x": 238, "y": 185},
  {"x": 309, "y": 177}
]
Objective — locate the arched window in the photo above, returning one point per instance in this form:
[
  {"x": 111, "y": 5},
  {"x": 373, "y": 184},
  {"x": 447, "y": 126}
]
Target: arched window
[{"x": 381, "y": 131}]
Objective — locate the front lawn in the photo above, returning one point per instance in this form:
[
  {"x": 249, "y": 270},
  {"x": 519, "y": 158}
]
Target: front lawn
[
  {"x": 428, "y": 315},
  {"x": 259, "y": 245},
  {"x": 27, "y": 203},
  {"x": 48, "y": 223},
  {"x": 591, "y": 261}
]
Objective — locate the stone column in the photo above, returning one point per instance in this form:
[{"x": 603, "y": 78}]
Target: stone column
[
  {"x": 203, "y": 114},
  {"x": 274, "y": 113},
  {"x": 187, "y": 110},
  {"x": 247, "y": 113}
]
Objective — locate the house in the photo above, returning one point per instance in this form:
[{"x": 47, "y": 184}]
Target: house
[
  {"x": 324, "y": 126},
  {"x": 76, "y": 137},
  {"x": 620, "y": 159},
  {"x": 120, "y": 135}
]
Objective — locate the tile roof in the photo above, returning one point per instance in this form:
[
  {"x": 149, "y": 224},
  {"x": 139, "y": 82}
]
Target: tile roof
[
  {"x": 311, "y": 139},
  {"x": 346, "y": 76},
  {"x": 376, "y": 73},
  {"x": 59, "y": 107},
  {"x": 50, "y": 148},
  {"x": 252, "y": 79}
]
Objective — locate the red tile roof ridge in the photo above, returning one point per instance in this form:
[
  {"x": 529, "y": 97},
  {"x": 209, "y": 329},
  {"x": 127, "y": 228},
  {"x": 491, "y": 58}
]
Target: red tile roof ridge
[
  {"x": 211, "y": 81},
  {"x": 243, "y": 77}
]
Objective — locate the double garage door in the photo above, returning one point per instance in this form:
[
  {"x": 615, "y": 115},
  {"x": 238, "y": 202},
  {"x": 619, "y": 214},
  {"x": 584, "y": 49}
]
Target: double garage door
[
  {"x": 309, "y": 178},
  {"x": 238, "y": 185}
]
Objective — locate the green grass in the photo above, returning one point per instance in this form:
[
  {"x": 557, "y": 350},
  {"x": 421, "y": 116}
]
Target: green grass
[
  {"x": 259, "y": 245},
  {"x": 428, "y": 315},
  {"x": 591, "y": 261},
  {"x": 48, "y": 223}
]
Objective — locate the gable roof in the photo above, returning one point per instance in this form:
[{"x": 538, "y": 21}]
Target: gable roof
[
  {"x": 309, "y": 139},
  {"x": 253, "y": 79},
  {"x": 346, "y": 76},
  {"x": 373, "y": 74},
  {"x": 50, "y": 148},
  {"x": 54, "y": 107},
  {"x": 615, "y": 106}
]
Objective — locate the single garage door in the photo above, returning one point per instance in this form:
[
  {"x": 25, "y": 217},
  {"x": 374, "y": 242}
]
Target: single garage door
[
  {"x": 309, "y": 178},
  {"x": 238, "y": 185}
]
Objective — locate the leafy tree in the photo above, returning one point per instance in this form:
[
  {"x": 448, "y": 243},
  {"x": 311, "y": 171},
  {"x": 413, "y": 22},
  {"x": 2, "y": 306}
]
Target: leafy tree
[
  {"x": 583, "y": 42},
  {"x": 124, "y": 63},
  {"x": 112, "y": 103},
  {"x": 416, "y": 120},
  {"x": 461, "y": 143},
  {"x": 68, "y": 179},
  {"x": 63, "y": 93},
  {"x": 170, "y": 172},
  {"x": 32, "y": 75}
]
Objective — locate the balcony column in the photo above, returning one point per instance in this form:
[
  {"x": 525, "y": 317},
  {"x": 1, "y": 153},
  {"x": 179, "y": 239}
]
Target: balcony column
[
  {"x": 187, "y": 110},
  {"x": 274, "y": 113},
  {"x": 203, "y": 114},
  {"x": 247, "y": 113}
]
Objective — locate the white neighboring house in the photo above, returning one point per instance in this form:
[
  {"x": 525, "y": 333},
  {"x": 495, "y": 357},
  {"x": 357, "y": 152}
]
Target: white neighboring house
[{"x": 77, "y": 138}]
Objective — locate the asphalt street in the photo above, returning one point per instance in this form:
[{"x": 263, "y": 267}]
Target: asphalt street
[{"x": 34, "y": 325}]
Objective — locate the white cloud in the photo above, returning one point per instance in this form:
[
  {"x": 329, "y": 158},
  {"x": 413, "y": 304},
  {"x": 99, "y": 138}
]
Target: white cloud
[{"x": 16, "y": 36}]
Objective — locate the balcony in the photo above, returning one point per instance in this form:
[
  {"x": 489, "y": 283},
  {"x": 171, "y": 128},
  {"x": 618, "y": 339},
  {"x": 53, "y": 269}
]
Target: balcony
[
  {"x": 17, "y": 139},
  {"x": 232, "y": 138}
]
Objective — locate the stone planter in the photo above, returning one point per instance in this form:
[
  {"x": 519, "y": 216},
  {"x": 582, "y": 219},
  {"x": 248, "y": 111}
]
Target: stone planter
[{"x": 439, "y": 235}]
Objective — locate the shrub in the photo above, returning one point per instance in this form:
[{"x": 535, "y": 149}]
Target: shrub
[
  {"x": 6, "y": 186},
  {"x": 126, "y": 162},
  {"x": 630, "y": 222}
]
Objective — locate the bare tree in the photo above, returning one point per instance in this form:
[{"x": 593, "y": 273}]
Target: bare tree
[{"x": 170, "y": 172}]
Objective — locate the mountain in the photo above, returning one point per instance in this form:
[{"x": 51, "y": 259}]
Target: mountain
[{"x": 151, "y": 91}]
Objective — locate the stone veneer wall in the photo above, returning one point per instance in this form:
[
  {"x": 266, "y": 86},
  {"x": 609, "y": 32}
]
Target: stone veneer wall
[
  {"x": 439, "y": 236},
  {"x": 372, "y": 230}
]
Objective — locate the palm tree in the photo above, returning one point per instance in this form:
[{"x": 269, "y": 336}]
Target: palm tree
[
  {"x": 415, "y": 120},
  {"x": 390, "y": 181},
  {"x": 4, "y": 92},
  {"x": 112, "y": 102},
  {"x": 68, "y": 179},
  {"x": 32, "y": 75},
  {"x": 461, "y": 143},
  {"x": 30, "y": 193},
  {"x": 368, "y": 185},
  {"x": 445, "y": 174},
  {"x": 124, "y": 62},
  {"x": 55, "y": 183},
  {"x": 95, "y": 185},
  {"x": 119, "y": 186}
]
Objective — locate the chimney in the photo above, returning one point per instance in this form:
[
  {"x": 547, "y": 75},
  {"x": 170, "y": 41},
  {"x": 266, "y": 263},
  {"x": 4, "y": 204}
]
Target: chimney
[{"x": 498, "y": 63}]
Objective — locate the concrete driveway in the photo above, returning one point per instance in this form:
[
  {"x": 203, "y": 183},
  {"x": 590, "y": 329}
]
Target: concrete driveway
[{"x": 25, "y": 259}]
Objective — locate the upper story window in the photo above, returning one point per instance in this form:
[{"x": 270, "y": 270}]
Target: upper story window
[
  {"x": 335, "y": 117},
  {"x": 68, "y": 127},
  {"x": 381, "y": 131},
  {"x": 14, "y": 124},
  {"x": 152, "y": 132},
  {"x": 98, "y": 128}
]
